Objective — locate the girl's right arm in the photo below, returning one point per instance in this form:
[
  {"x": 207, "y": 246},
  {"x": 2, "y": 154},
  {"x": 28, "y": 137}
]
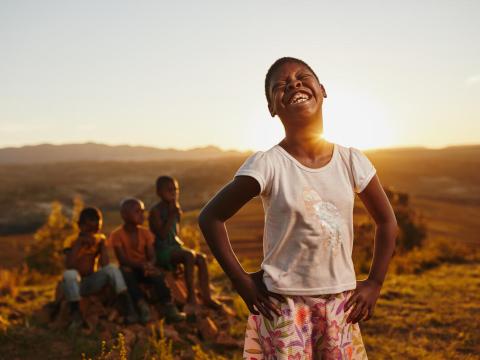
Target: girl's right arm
[{"x": 213, "y": 216}]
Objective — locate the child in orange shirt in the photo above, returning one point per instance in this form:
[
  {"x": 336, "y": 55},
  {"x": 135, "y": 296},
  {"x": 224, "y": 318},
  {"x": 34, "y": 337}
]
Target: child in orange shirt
[{"x": 133, "y": 246}]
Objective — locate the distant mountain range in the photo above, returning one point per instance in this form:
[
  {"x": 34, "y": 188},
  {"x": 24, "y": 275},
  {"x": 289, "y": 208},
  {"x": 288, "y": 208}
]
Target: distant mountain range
[{"x": 47, "y": 153}]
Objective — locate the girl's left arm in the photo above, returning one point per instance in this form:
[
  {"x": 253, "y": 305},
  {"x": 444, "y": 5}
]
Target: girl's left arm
[{"x": 386, "y": 231}]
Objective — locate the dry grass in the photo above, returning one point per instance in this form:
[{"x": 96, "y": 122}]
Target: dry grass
[
  {"x": 435, "y": 253},
  {"x": 429, "y": 316},
  {"x": 9, "y": 282}
]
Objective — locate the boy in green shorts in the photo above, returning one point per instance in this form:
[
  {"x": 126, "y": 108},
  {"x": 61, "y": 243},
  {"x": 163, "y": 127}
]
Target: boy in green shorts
[{"x": 164, "y": 220}]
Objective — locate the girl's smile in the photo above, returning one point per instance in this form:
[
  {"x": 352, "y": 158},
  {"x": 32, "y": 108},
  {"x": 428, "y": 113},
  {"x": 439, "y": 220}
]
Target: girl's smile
[{"x": 299, "y": 97}]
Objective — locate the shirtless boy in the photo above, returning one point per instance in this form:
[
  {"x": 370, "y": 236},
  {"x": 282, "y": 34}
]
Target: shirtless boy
[{"x": 81, "y": 279}]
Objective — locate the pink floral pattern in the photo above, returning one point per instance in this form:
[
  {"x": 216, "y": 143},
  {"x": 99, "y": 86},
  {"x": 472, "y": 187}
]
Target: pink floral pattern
[{"x": 310, "y": 328}]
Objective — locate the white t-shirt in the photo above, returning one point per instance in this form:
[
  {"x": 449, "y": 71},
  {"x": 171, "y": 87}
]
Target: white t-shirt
[{"x": 308, "y": 234}]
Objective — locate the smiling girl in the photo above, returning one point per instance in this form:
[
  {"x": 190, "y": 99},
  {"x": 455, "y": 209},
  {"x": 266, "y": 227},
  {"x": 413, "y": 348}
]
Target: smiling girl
[{"x": 305, "y": 302}]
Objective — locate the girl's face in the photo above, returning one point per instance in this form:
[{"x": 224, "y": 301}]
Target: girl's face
[
  {"x": 90, "y": 226},
  {"x": 169, "y": 191},
  {"x": 295, "y": 94}
]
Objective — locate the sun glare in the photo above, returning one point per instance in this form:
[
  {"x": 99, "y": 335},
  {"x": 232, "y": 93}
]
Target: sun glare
[{"x": 358, "y": 121}]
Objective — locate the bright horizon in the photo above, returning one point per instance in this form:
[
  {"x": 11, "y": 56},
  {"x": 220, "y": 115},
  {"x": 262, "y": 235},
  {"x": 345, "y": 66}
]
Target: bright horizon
[
  {"x": 227, "y": 148},
  {"x": 171, "y": 76}
]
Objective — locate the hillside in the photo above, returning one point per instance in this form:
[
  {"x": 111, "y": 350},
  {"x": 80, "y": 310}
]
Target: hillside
[
  {"x": 443, "y": 184},
  {"x": 413, "y": 320},
  {"x": 47, "y": 153}
]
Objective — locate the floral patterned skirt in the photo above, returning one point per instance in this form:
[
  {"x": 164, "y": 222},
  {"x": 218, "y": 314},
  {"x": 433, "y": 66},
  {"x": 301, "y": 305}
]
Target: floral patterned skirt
[{"x": 310, "y": 328}]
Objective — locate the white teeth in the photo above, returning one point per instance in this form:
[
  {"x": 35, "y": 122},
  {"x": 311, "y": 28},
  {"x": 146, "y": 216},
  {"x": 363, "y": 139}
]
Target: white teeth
[{"x": 298, "y": 98}]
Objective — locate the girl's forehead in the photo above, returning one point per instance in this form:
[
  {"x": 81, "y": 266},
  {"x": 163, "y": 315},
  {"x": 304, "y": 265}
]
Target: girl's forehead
[{"x": 288, "y": 68}]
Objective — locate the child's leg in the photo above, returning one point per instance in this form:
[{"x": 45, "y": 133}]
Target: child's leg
[
  {"x": 110, "y": 275},
  {"x": 160, "y": 287},
  {"x": 187, "y": 258},
  {"x": 169, "y": 310},
  {"x": 333, "y": 337},
  {"x": 132, "y": 280},
  {"x": 204, "y": 281},
  {"x": 95, "y": 282},
  {"x": 71, "y": 285},
  {"x": 71, "y": 288},
  {"x": 114, "y": 278},
  {"x": 285, "y": 337}
]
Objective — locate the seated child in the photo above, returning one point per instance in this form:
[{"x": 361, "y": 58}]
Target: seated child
[
  {"x": 164, "y": 222},
  {"x": 80, "y": 278},
  {"x": 133, "y": 245}
]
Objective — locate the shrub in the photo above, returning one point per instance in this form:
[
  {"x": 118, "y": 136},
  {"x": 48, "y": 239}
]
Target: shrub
[
  {"x": 46, "y": 252},
  {"x": 434, "y": 253},
  {"x": 9, "y": 282}
]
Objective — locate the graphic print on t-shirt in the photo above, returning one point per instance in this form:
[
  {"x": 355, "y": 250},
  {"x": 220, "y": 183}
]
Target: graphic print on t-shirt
[{"x": 325, "y": 218}]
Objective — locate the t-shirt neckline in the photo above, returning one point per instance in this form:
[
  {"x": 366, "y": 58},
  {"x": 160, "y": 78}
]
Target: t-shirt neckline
[{"x": 300, "y": 165}]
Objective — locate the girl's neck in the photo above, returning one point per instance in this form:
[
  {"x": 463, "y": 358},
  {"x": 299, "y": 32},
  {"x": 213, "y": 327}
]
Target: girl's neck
[{"x": 307, "y": 138}]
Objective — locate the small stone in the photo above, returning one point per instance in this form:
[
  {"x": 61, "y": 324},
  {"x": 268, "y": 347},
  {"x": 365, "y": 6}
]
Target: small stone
[
  {"x": 170, "y": 332},
  {"x": 177, "y": 288},
  {"x": 193, "y": 339},
  {"x": 226, "y": 340},
  {"x": 130, "y": 337},
  {"x": 207, "y": 327},
  {"x": 92, "y": 320},
  {"x": 113, "y": 315},
  {"x": 229, "y": 311},
  {"x": 42, "y": 316}
]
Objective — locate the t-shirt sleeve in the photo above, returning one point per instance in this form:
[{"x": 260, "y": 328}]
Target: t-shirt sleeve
[
  {"x": 258, "y": 167},
  {"x": 362, "y": 170}
]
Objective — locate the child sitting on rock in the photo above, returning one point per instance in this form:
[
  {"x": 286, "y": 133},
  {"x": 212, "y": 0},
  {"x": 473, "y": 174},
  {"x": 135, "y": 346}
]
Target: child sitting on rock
[
  {"x": 164, "y": 220},
  {"x": 133, "y": 246},
  {"x": 81, "y": 279}
]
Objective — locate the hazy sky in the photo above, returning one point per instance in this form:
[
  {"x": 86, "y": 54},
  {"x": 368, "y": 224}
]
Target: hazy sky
[{"x": 186, "y": 74}]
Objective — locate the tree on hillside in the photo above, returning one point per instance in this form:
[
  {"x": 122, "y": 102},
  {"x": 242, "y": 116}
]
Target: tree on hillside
[{"x": 46, "y": 252}]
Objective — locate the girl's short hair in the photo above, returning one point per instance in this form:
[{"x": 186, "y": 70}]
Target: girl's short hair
[
  {"x": 278, "y": 63},
  {"x": 89, "y": 214}
]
